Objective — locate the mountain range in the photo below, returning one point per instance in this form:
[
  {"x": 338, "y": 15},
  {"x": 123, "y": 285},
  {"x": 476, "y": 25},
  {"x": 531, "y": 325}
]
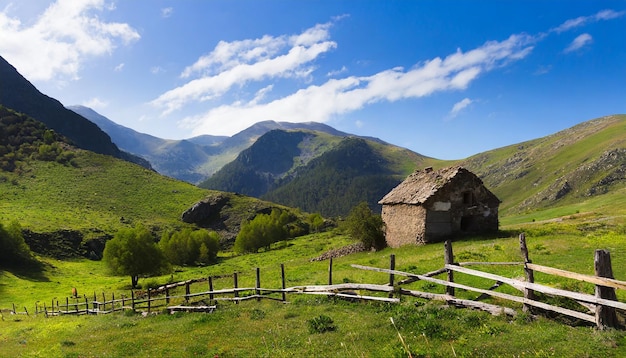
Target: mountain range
[
  {"x": 318, "y": 169},
  {"x": 193, "y": 159}
]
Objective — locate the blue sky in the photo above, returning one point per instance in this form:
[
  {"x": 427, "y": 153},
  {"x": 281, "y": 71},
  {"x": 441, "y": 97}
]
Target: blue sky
[{"x": 447, "y": 79}]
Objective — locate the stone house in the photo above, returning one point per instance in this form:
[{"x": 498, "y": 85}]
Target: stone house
[{"x": 433, "y": 205}]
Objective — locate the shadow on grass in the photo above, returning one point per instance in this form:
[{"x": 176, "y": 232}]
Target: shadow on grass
[{"x": 33, "y": 271}]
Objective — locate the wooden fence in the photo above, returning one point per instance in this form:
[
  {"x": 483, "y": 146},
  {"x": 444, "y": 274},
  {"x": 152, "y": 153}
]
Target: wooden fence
[{"x": 599, "y": 309}]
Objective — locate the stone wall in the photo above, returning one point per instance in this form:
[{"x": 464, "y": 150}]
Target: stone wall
[{"x": 404, "y": 224}]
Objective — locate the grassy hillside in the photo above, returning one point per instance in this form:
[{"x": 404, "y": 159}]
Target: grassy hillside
[
  {"x": 585, "y": 162},
  {"x": 269, "y": 328}
]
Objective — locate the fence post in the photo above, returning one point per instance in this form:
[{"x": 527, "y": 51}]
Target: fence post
[
  {"x": 96, "y": 304},
  {"x": 113, "y": 302},
  {"x": 605, "y": 316},
  {"x": 149, "y": 300},
  {"x": 211, "y": 288},
  {"x": 330, "y": 271},
  {"x": 258, "y": 284},
  {"x": 530, "y": 275},
  {"x": 282, "y": 279},
  {"x": 13, "y": 308},
  {"x": 449, "y": 260},
  {"x": 86, "y": 305},
  {"x": 392, "y": 266},
  {"x": 132, "y": 300},
  {"x": 104, "y": 302},
  {"x": 236, "y": 284},
  {"x": 187, "y": 291},
  {"x": 167, "y": 295}
]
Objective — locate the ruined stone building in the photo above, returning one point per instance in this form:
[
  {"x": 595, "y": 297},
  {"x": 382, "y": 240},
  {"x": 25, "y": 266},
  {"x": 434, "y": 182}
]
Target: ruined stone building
[{"x": 433, "y": 205}]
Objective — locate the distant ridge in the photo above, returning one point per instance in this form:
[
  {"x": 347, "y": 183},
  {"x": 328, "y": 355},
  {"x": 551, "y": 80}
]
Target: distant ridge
[{"x": 194, "y": 159}]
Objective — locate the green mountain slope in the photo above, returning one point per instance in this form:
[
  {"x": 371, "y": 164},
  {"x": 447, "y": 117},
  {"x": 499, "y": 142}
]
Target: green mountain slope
[
  {"x": 574, "y": 165},
  {"x": 50, "y": 187},
  {"x": 317, "y": 172}
]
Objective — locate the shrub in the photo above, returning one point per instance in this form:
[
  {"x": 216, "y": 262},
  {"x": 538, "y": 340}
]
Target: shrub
[
  {"x": 321, "y": 324},
  {"x": 262, "y": 231},
  {"x": 13, "y": 249},
  {"x": 189, "y": 247},
  {"x": 363, "y": 225}
]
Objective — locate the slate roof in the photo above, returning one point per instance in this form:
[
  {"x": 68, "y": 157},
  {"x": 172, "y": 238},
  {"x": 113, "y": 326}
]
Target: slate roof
[{"x": 418, "y": 187}]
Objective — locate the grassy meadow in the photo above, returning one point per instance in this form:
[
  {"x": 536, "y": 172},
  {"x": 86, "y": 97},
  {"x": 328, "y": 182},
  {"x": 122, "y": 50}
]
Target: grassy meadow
[{"x": 273, "y": 329}]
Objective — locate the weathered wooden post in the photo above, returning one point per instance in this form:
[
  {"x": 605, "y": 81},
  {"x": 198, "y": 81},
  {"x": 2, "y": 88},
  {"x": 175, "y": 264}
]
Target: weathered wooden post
[
  {"x": 449, "y": 260},
  {"x": 149, "y": 300},
  {"x": 330, "y": 271},
  {"x": 257, "y": 292},
  {"x": 96, "y": 304},
  {"x": 167, "y": 295},
  {"x": 530, "y": 275},
  {"x": 13, "y": 308},
  {"x": 236, "y": 284},
  {"x": 67, "y": 304},
  {"x": 211, "y": 288},
  {"x": 45, "y": 310},
  {"x": 187, "y": 291},
  {"x": 86, "y": 305},
  {"x": 605, "y": 316},
  {"x": 113, "y": 302},
  {"x": 132, "y": 300},
  {"x": 104, "y": 302},
  {"x": 282, "y": 279},
  {"x": 392, "y": 266}
]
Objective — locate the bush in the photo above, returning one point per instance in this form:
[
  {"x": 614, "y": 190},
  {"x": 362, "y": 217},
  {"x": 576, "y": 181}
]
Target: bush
[
  {"x": 363, "y": 225},
  {"x": 262, "y": 231},
  {"x": 189, "y": 247},
  {"x": 321, "y": 324},
  {"x": 13, "y": 249}
]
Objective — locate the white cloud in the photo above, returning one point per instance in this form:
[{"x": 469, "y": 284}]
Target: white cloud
[
  {"x": 167, "y": 12},
  {"x": 119, "y": 67},
  {"x": 579, "y": 42},
  {"x": 95, "y": 103},
  {"x": 61, "y": 39},
  {"x": 343, "y": 69},
  {"x": 459, "y": 106},
  {"x": 240, "y": 62},
  {"x": 320, "y": 103},
  {"x": 155, "y": 70},
  {"x": 583, "y": 20}
]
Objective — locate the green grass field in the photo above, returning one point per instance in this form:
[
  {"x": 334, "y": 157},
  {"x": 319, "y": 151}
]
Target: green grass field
[{"x": 274, "y": 329}]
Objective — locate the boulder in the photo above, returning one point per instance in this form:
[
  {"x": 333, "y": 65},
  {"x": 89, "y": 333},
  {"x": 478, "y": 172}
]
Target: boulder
[{"x": 205, "y": 209}]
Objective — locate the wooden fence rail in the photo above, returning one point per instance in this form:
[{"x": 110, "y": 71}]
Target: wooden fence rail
[{"x": 601, "y": 307}]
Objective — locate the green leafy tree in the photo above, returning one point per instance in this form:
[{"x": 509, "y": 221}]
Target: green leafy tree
[
  {"x": 316, "y": 221},
  {"x": 13, "y": 249},
  {"x": 188, "y": 247},
  {"x": 133, "y": 252},
  {"x": 262, "y": 231},
  {"x": 362, "y": 224}
]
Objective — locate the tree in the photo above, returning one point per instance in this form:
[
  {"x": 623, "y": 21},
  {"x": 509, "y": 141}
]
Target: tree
[
  {"x": 187, "y": 247},
  {"x": 362, "y": 224},
  {"x": 133, "y": 252},
  {"x": 13, "y": 249},
  {"x": 262, "y": 231}
]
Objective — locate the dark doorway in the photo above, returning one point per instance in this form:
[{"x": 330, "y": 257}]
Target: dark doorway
[{"x": 467, "y": 223}]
